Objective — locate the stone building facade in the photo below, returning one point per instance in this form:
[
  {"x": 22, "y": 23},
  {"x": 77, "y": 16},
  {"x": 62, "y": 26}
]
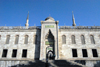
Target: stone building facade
[{"x": 75, "y": 43}]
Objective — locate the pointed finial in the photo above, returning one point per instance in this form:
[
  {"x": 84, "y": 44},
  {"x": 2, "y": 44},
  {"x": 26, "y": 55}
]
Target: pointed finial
[
  {"x": 28, "y": 15},
  {"x": 27, "y": 21},
  {"x": 73, "y": 19},
  {"x": 72, "y": 14}
]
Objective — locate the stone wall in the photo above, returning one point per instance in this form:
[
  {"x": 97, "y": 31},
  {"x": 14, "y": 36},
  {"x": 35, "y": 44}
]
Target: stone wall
[
  {"x": 33, "y": 50},
  {"x": 65, "y": 50}
]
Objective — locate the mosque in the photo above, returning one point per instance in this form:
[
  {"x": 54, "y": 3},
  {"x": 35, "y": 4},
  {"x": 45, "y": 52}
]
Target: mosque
[{"x": 80, "y": 44}]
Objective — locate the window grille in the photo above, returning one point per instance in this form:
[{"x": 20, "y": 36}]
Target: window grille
[
  {"x": 4, "y": 54},
  {"x": 14, "y": 53},
  {"x": 84, "y": 51},
  {"x": 74, "y": 52},
  {"x": 24, "y": 53}
]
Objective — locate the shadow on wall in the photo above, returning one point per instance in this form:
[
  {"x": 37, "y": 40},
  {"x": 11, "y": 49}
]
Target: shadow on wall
[
  {"x": 80, "y": 61},
  {"x": 37, "y": 39},
  {"x": 31, "y": 64},
  {"x": 97, "y": 64},
  {"x": 83, "y": 62},
  {"x": 51, "y": 63}
]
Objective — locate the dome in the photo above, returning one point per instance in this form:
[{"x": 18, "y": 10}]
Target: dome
[{"x": 49, "y": 18}]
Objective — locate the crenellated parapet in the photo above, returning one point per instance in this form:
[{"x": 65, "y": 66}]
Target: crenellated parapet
[
  {"x": 79, "y": 27},
  {"x": 18, "y": 27}
]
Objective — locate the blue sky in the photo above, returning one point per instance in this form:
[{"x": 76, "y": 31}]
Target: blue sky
[{"x": 14, "y": 12}]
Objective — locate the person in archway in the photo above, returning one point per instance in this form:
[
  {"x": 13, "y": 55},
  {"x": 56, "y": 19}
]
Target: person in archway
[{"x": 50, "y": 54}]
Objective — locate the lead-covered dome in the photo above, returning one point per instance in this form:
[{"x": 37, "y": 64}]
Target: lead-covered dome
[{"x": 49, "y": 18}]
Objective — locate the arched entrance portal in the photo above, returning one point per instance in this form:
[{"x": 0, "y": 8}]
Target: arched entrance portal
[{"x": 49, "y": 42}]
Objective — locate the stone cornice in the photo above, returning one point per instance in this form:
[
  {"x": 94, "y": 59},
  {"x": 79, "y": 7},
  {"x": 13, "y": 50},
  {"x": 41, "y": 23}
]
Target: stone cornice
[
  {"x": 79, "y": 27},
  {"x": 18, "y": 27}
]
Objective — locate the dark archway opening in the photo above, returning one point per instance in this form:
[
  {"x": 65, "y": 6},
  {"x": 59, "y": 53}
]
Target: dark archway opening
[{"x": 49, "y": 43}]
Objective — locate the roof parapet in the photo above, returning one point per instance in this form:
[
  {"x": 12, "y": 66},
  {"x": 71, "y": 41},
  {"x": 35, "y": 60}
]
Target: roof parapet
[{"x": 79, "y": 27}]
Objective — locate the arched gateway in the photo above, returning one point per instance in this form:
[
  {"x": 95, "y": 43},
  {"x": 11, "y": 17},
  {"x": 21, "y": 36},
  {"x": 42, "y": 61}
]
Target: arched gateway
[
  {"x": 49, "y": 39},
  {"x": 50, "y": 47}
]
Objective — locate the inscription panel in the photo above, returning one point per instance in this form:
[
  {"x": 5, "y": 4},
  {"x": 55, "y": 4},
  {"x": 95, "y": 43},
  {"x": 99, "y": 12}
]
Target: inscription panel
[{"x": 49, "y": 26}]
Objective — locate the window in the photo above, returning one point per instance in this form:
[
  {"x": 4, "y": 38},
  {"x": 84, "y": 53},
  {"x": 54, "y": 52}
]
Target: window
[
  {"x": 16, "y": 39},
  {"x": 14, "y": 53},
  {"x": 26, "y": 39},
  {"x": 0, "y": 37},
  {"x": 92, "y": 39},
  {"x": 82, "y": 39},
  {"x": 84, "y": 51},
  {"x": 7, "y": 39},
  {"x": 4, "y": 53},
  {"x": 35, "y": 39},
  {"x": 94, "y": 52},
  {"x": 99, "y": 36},
  {"x": 74, "y": 52},
  {"x": 24, "y": 54},
  {"x": 63, "y": 39},
  {"x": 73, "y": 39}
]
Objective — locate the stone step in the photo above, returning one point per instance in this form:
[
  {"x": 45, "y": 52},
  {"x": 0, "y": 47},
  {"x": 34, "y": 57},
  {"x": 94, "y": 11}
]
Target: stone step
[
  {"x": 63, "y": 63},
  {"x": 40, "y": 63}
]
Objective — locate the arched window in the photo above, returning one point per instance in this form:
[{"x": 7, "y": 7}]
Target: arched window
[
  {"x": 92, "y": 39},
  {"x": 7, "y": 39},
  {"x": 16, "y": 39},
  {"x": 99, "y": 36},
  {"x": 35, "y": 39},
  {"x": 63, "y": 39},
  {"x": 82, "y": 39},
  {"x": 26, "y": 39},
  {"x": 0, "y": 37},
  {"x": 73, "y": 39}
]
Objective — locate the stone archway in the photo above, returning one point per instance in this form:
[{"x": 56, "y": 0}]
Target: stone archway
[{"x": 49, "y": 43}]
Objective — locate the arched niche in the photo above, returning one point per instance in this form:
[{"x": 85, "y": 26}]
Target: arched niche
[{"x": 49, "y": 42}]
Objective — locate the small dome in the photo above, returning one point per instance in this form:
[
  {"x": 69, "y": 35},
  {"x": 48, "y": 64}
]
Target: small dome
[{"x": 49, "y": 18}]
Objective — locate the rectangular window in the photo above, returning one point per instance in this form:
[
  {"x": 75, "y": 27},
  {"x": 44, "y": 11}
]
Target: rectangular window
[
  {"x": 0, "y": 37},
  {"x": 84, "y": 51},
  {"x": 24, "y": 54},
  {"x": 74, "y": 52},
  {"x": 94, "y": 52},
  {"x": 14, "y": 53},
  {"x": 4, "y": 53}
]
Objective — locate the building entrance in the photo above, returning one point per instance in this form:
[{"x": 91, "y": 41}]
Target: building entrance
[
  {"x": 49, "y": 43},
  {"x": 50, "y": 55}
]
